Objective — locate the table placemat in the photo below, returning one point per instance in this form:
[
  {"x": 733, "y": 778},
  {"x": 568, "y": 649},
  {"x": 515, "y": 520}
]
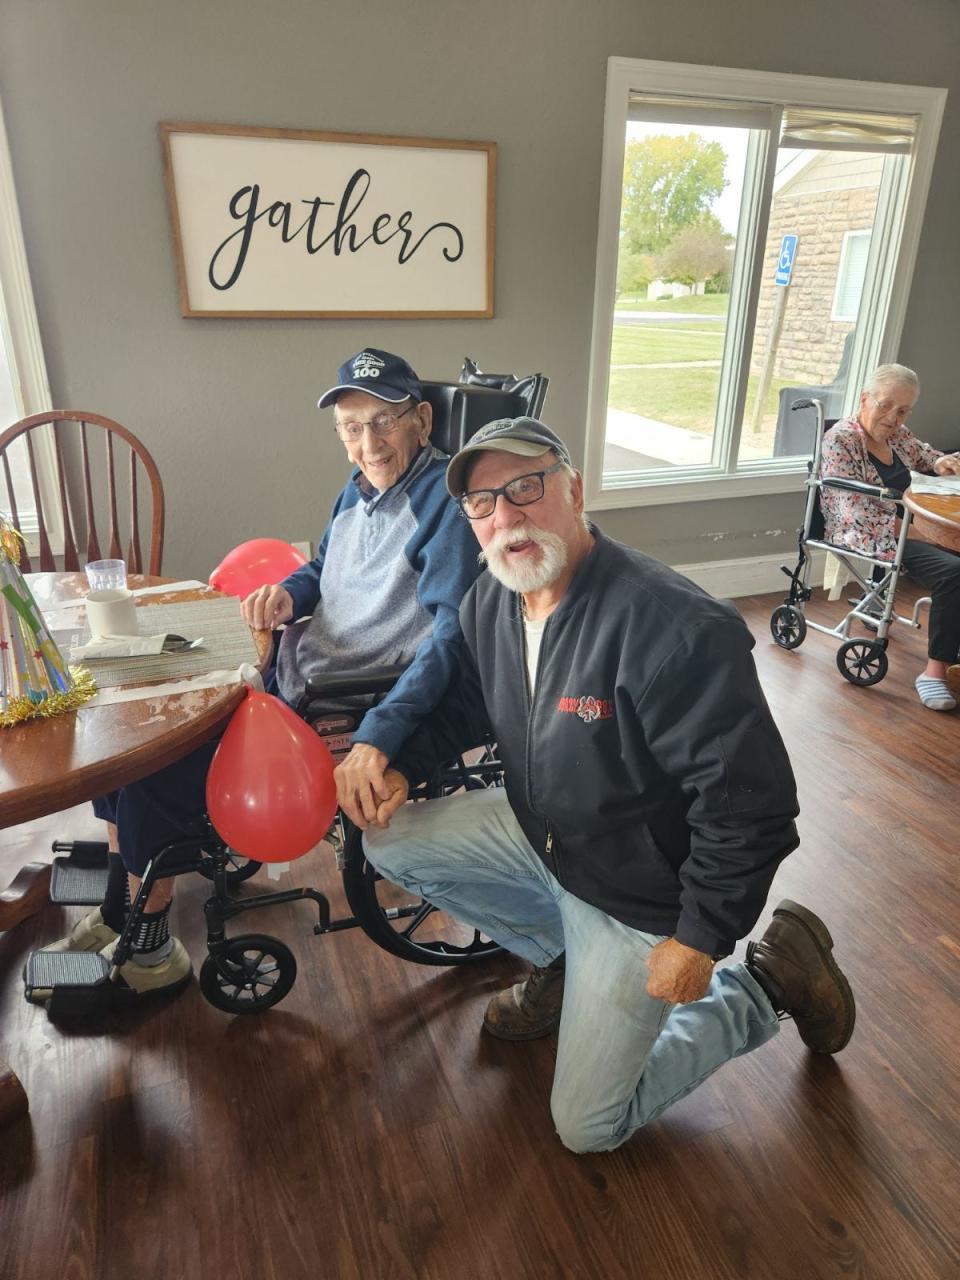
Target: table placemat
[{"x": 227, "y": 643}]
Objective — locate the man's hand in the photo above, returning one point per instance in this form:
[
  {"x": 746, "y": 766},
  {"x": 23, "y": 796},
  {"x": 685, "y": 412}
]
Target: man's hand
[
  {"x": 367, "y": 791},
  {"x": 948, "y": 465},
  {"x": 267, "y": 607},
  {"x": 678, "y": 973}
]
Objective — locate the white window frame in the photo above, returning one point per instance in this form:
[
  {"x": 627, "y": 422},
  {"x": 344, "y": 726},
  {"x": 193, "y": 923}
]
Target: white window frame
[
  {"x": 633, "y": 75},
  {"x": 848, "y": 237},
  {"x": 20, "y": 334}
]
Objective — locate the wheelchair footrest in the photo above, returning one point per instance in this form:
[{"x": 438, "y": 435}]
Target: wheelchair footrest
[
  {"x": 70, "y": 982},
  {"x": 79, "y": 878}
]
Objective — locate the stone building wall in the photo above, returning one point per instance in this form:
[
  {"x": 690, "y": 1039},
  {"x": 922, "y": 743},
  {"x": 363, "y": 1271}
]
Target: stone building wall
[{"x": 811, "y": 343}]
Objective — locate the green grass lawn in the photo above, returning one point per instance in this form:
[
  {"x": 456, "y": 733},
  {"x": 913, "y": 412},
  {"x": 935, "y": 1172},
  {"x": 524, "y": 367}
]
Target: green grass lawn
[
  {"x": 659, "y": 344},
  {"x": 707, "y": 304},
  {"x": 684, "y": 397}
]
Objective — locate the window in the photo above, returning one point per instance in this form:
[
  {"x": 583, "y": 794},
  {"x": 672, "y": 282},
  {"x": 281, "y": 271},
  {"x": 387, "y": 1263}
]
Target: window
[
  {"x": 756, "y": 242},
  {"x": 850, "y": 277},
  {"x": 23, "y": 378}
]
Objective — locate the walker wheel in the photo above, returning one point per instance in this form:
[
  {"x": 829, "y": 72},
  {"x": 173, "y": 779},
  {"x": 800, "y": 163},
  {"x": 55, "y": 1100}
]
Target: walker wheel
[
  {"x": 251, "y": 973},
  {"x": 788, "y": 627},
  {"x": 863, "y": 662}
]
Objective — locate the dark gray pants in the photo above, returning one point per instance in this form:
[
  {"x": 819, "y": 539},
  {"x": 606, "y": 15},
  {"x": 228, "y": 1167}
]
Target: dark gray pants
[{"x": 938, "y": 570}]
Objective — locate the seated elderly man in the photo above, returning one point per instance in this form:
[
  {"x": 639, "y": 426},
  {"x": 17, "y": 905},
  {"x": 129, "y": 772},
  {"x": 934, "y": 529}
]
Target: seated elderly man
[
  {"x": 384, "y": 588},
  {"x": 877, "y": 447},
  {"x": 648, "y": 803}
]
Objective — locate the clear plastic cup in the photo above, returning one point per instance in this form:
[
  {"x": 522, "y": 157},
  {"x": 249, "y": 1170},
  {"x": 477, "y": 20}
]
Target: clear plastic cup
[{"x": 106, "y": 575}]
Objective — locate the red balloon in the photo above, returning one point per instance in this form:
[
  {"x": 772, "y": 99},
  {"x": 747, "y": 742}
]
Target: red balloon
[
  {"x": 270, "y": 788},
  {"x": 254, "y": 564}
]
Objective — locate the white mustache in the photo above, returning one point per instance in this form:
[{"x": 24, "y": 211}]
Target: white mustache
[{"x": 504, "y": 539}]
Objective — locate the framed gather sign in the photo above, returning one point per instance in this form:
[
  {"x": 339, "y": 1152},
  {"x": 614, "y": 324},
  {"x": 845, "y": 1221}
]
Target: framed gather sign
[{"x": 290, "y": 222}]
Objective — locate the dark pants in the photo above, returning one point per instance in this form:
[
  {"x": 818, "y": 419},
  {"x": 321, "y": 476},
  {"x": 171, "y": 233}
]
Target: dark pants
[
  {"x": 165, "y": 806},
  {"x": 938, "y": 570}
]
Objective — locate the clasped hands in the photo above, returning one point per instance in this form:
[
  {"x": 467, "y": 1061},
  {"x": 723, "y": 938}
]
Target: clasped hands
[
  {"x": 948, "y": 465},
  {"x": 368, "y": 792}
]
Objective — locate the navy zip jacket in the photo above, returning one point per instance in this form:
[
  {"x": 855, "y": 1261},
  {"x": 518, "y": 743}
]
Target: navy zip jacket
[{"x": 646, "y": 770}]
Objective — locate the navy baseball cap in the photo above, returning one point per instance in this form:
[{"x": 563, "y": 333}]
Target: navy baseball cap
[
  {"x": 380, "y": 374},
  {"x": 528, "y": 437}
]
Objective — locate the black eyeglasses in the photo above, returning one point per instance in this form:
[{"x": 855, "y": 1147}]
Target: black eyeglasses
[
  {"x": 521, "y": 491},
  {"x": 382, "y": 424}
]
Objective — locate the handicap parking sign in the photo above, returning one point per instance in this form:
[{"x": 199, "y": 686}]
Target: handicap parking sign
[{"x": 788, "y": 251}]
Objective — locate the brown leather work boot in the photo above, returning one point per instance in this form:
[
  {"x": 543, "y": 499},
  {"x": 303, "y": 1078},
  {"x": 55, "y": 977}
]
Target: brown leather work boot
[
  {"x": 528, "y": 1009},
  {"x": 794, "y": 965}
]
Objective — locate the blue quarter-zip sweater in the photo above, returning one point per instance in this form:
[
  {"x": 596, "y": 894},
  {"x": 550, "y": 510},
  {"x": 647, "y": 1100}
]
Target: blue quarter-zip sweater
[{"x": 384, "y": 588}]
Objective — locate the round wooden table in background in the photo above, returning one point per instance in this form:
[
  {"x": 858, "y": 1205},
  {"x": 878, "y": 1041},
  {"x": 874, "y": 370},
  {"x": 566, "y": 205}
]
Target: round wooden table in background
[{"x": 936, "y": 518}]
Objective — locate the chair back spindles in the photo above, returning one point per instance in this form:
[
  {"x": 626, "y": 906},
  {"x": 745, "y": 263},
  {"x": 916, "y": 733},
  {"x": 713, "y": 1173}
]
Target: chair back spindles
[
  {"x": 93, "y": 542},
  {"x": 96, "y": 479},
  {"x": 46, "y": 553},
  {"x": 115, "y": 552},
  {"x": 71, "y": 561}
]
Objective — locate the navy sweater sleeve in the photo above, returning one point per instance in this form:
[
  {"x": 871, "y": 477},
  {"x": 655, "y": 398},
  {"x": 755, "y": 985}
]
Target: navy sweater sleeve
[{"x": 304, "y": 583}]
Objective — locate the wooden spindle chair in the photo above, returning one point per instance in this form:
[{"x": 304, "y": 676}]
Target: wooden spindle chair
[{"x": 70, "y": 474}]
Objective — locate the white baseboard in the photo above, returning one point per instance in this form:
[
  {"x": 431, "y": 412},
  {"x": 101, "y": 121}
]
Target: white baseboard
[{"x": 753, "y": 576}]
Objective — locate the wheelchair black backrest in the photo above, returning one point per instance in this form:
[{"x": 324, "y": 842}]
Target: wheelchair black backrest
[{"x": 462, "y": 408}]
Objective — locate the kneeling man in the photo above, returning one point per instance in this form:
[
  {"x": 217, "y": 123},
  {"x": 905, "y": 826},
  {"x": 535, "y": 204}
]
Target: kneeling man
[{"x": 649, "y": 800}]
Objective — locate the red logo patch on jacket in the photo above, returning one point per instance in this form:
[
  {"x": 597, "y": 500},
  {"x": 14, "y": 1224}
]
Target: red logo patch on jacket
[{"x": 587, "y": 708}]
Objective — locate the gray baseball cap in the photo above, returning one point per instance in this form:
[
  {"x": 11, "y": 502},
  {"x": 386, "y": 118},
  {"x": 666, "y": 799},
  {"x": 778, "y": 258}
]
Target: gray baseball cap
[{"x": 527, "y": 437}]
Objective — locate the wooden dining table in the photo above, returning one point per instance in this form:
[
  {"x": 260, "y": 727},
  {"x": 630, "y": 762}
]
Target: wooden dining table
[
  {"x": 49, "y": 765},
  {"x": 936, "y": 517}
]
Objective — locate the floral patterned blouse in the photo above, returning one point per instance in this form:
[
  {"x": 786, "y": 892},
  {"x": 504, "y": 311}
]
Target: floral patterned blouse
[{"x": 852, "y": 520}]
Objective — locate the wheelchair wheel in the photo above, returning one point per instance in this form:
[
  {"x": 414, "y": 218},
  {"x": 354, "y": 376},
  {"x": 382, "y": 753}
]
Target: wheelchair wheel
[
  {"x": 238, "y": 868},
  {"x": 253, "y": 972},
  {"x": 402, "y": 923},
  {"x": 788, "y": 627},
  {"x": 862, "y": 662}
]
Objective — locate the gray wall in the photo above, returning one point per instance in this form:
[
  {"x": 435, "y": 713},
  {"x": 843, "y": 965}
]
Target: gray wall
[{"x": 227, "y": 405}]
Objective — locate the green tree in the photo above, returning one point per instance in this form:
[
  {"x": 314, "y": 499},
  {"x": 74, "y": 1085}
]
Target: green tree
[
  {"x": 634, "y": 271},
  {"x": 668, "y": 184},
  {"x": 696, "y": 253}
]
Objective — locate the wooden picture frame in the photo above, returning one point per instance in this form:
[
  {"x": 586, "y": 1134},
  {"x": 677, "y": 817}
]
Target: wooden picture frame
[{"x": 281, "y": 223}]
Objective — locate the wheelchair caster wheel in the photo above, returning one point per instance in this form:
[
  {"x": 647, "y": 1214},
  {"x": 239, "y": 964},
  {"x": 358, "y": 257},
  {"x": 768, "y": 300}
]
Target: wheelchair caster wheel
[
  {"x": 788, "y": 627},
  {"x": 250, "y": 973},
  {"x": 238, "y": 868},
  {"x": 863, "y": 662}
]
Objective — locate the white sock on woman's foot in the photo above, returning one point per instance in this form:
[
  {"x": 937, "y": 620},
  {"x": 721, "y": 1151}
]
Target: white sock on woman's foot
[{"x": 935, "y": 693}]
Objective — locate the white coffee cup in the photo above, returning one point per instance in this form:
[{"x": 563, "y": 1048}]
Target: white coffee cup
[{"x": 112, "y": 613}]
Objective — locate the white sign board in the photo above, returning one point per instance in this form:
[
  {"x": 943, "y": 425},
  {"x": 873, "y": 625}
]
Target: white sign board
[{"x": 282, "y": 222}]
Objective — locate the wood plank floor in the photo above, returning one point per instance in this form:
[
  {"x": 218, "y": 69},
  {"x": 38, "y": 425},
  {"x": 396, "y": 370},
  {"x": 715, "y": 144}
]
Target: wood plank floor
[{"x": 364, "y": 1128}]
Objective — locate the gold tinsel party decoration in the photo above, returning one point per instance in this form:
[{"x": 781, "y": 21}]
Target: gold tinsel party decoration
[{"x": 34, "y": 679}]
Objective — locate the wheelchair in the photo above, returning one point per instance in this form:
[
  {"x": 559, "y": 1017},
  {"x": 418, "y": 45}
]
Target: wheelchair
[
  {"x": 250, "y": 972},
  {"x": 861, "y": 660}
]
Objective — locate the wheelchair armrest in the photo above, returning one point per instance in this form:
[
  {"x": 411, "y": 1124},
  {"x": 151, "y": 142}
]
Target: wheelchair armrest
[
  {"x": 861, "y": 486},
  {"x": 347, "y": 683}
]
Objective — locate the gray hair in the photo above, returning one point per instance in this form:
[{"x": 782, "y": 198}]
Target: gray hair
[
  {"x": 571, "y": 476},
  {"x": 892, "y": 375}
]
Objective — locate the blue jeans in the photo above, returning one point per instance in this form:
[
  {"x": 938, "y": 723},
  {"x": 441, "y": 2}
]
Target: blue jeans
[{"x": 623, "y": 1057}]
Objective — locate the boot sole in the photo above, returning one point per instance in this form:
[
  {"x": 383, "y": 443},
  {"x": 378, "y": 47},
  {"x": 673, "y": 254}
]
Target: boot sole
[
  {"x": 538, "y": 1033},
  {"x": 824, "y": 944}
]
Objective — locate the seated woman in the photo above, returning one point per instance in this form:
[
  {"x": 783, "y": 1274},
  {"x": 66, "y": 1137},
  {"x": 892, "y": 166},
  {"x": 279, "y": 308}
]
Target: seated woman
[{"x": 876, "y": 447}]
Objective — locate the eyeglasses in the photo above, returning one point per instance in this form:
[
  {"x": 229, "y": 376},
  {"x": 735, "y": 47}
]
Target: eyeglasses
[
  {"x": 885, "y": 406},
  {"x": 382, "y": 424},
  {"x": 521, "y": 491}
]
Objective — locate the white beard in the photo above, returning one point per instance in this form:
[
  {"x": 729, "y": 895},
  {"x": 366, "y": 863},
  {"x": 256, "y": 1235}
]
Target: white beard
[{"x": 521, "y": 576}]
